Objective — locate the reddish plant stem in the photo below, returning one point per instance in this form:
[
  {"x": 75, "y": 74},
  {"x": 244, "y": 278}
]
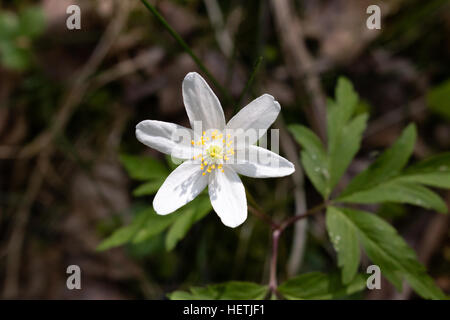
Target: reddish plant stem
[
  {"x": 263, "y": 217},
  {"x": 273, "y": 285},
  {"x": 277, "y": 231},
  {"x": 286, "y": 223}
]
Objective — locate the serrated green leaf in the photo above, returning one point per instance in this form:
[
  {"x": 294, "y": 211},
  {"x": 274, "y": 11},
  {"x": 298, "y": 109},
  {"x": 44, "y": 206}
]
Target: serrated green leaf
[
  {"x": 346, "y": 98},
  {"x": 398, "y": 191},
  {"x": 143, "y": 168},
  {"x": 391, "y": 253},
  {"x": 325, "y": 167},
  {"x": 320, "y": 286},
  {"x": 233, "y": 290},
  {"x": 313, "y": 157},
  {"x": 343, "y": 236},
  {"x": 344, "y": 132},
  {"x": 438, "y": 99},
  {"x": 148, "y": 188},
  {"x": 386, "y": 166},
  {"x": 197, "y": 209},
  {"x": 341, "y": 110},
  {"x": 308, "y": 140},
  {"x": 434, "y": 171},
  {"x": 344, "y": 148}
]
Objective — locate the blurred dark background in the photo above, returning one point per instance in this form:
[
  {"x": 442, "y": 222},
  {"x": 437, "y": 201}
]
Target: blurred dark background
[{"x": 70, "y": 99}]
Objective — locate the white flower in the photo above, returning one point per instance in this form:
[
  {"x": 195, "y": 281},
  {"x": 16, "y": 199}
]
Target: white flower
[{"x": 211, "y": 154}]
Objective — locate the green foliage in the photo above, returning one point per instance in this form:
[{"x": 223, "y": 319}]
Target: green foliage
[
  {"x": 384, "y": 180},
  {"x": 434, "y": 171},
  {"x": 438, "y": 99},
  {"x": 313, "y": 156},
  {"x": 233, "y": 290},
  {"x": 193, "y": 213},
  {"x": 383, "y": 246},
  {"x": 148, "y": 188},
  {"x": 345, "y": 128},
  {"x": 343, "y": 235},
  {"x": 145, "y": 224},
  {"x": 399, "y": 192},
  {"x": 143, "y": 168},
  {"x": 317, "y": 285},
  {"x": 16, "y": 34},
  {"x": 148, "y": 224},
  {"x": 386, "y": 166}
]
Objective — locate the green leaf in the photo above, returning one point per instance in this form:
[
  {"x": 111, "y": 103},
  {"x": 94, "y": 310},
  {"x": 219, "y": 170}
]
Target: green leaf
[
  {"x": 32, "y": 22},
  {"x": 9, "y": 26},
  {"x": 390, "y": 252},
  {"x": 124, "y": 234},
  {"x": 325, "y": 167},
  {"x": 153, "y": 225},
  {"x": 143, "y": 168},
  {"x": 13, "y": 57},
  {"x": 438, "y": 99},
  {"x": 320, "y": 286},
  {"x": 194, "y": 212},
  {"x": 386, "y": 166},
  {"x": 346, "y": 98},
  {"x": 233, "y": 290},
  {"x": 341, "y": 110},
  {"x": 434, "y": 172},
  {"x": 148, "y": 188},
  {"x": 344, "y": 149},
  {"x": 344, "y": 133},
  {"x": 313, "y": 156},
  {"x": 344, "y": 238},
  {"x": 399, "y": 191},
  {"x": 391, "y": 211},
  {"x": 145, "y": 225}
]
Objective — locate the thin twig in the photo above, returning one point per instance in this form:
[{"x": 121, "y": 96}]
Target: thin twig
[
  {"x": 248, "y": 84},
  {"x": 186, "y": 48},
  {"x": 308, "y": 213},
  {"x": 263, "y": 217},
  {"x": 273, "y": 284}
]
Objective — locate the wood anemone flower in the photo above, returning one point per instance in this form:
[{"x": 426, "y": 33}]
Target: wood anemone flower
[{"x": 214, "y": 152}]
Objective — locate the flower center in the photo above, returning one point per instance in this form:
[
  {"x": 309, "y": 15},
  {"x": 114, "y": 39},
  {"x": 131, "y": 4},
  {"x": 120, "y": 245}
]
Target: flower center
[{"x": 216, "y": 150}]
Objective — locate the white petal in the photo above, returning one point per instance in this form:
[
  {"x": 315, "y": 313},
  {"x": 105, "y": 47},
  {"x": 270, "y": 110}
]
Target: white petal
[
  {"x": 180, "y": 187},
  {"x": 160, "y": 135},
  {"x": 258, "y": 115},
  {"x": 201, "y": 103},
  {"x": 262, "y": 163},
  {"x": 227, "y": 195}
]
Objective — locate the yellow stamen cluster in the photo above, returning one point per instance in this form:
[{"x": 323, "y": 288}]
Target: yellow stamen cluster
[{"x": 212, "y": 158}]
